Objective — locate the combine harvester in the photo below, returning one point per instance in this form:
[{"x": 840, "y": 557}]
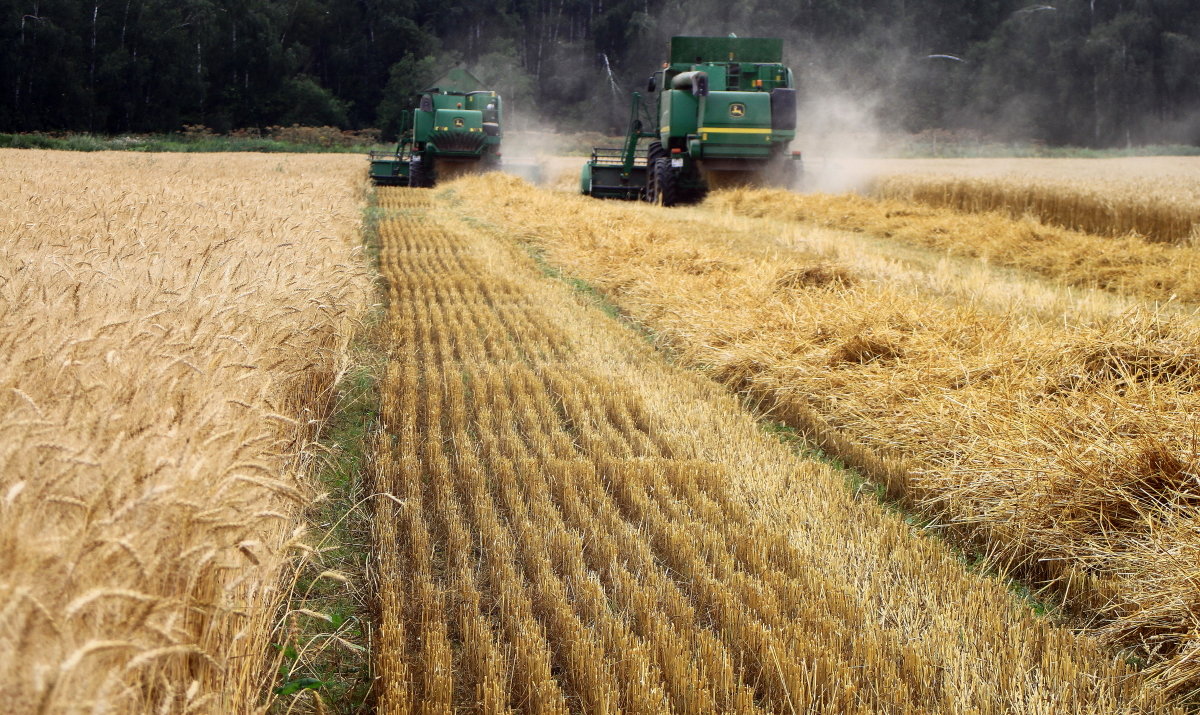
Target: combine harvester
[
  {"x": 725, "y": 115},
  {"x": 454, "y": 129}
]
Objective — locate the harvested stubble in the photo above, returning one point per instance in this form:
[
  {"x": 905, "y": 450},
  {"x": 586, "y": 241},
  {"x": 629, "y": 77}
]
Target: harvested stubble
[
  {"x": 1062, "y": 443},
  {"x": 1157, "y": 198},
  {"x": 170, "y": 327},
  {"x": 1127, "y": 265},
  {"x": 570, "y": 525}
]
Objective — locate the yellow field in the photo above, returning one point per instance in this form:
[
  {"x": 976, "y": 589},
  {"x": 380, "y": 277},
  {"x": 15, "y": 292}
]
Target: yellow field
[
  {"x": 1055, "y": 429},
  {"x": 170, "y": 329},
  {"x": 575, "y": 526},
  {"x": 568, "y": 515},
  {"x": 1127, "y": 265},
  {"x": 1157, "y": 198}
]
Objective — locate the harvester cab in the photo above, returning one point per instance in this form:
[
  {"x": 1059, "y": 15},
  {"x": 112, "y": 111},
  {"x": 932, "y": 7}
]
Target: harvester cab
[
  {"x": 456, "y": 125},
  {"x": 724, "y": 113}
]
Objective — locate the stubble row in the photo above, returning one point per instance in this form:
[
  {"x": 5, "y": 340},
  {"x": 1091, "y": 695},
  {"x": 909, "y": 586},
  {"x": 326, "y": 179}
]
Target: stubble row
[{"x": 1060, "y": 444}]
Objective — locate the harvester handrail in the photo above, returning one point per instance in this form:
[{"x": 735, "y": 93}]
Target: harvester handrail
[
  {"x": 403, "y": 152},
  {"x": 614, "y": 156}
]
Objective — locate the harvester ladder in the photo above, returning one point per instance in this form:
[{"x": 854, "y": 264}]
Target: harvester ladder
[{"x": 635, "y": 134}]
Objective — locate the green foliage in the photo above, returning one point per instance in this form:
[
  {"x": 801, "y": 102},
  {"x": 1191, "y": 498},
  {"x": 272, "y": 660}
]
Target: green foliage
[
  {"x": 1098, "y": 74},
  {"x": 297, "y": 143},
  {"x": 294, "y": 686},
  {"x": 501, "y": 69},
  {"x": 304, "y": 102},
  {"x": 405, "y": 81}
]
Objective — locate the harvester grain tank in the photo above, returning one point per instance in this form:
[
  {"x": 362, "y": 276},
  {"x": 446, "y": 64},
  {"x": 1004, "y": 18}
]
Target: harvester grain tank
[
  {"x": 723, "y": 111},
  {"x": 455, "y": 126}
]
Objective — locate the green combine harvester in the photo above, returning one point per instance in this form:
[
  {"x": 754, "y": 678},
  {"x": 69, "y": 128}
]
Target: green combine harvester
[
  {"x": 455, "y": 128},
  {"x": 724, "y": 114}
]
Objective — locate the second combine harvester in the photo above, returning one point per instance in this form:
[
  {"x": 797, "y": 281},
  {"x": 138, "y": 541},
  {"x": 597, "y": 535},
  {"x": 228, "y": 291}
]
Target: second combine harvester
[
  {"x": 455, "y": 126},
  {"x": 724, "y": 112}
]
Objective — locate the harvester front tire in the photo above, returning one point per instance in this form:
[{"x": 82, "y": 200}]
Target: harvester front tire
[
  {"x": 418, "y": 174},
  {"x": 654, "y": 152},
  {"x": 666, "y": 183}
]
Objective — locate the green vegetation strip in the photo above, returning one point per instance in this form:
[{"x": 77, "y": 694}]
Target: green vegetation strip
[
  {"x": 177, "y": 143},
  {"x": 324, "y": 652}
]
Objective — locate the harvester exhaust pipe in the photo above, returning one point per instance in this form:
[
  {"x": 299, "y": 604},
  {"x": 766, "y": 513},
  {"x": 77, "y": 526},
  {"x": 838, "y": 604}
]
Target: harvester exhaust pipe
[{"x": 696, "y": 81}]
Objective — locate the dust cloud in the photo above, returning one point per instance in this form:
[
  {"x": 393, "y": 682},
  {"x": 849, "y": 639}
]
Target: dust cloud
[
  {"x": 539, "y": 150},
  {"x": 837, "y": 134}
]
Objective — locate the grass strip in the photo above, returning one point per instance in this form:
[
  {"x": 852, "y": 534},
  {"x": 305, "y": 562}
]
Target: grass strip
[
  {"x": 325, "y": 661},
  {"x": 175, "y": 143}
]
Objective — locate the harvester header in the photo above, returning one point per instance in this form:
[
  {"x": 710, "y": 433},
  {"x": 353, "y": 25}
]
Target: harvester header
[{"x": 723, "y": 110}]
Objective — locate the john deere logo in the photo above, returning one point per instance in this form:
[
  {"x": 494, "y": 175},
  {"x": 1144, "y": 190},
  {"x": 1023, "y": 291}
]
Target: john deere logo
[
  {"x": 737, "y": 109},
  {"x": 458, "y": 122}
]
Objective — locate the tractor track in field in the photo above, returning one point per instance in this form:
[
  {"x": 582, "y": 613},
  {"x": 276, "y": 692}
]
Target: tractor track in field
[{"x": 575, "y": 526}]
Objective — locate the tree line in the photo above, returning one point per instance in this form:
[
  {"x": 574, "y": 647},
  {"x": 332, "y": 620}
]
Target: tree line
[{"x": 1084, "y": 72}]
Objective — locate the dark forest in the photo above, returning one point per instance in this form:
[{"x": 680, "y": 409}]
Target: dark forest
[{"x": 1096, "y": 73}]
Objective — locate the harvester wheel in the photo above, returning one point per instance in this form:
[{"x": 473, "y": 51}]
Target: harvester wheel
[
  {"x": 666, "y": 185},
  {"x": 654, "y": 152},
  {"x": 418, "y": 176}
]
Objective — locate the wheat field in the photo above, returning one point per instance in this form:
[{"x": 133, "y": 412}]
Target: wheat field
[
  {"x": 573, "y": 525},
  {"x": 1156, "y": 198},
  {"x": 1054, "y": 429},
  {"x": 170, "y": 330},
  {"x": 564, "y": 518},
  {"x": 1127, "y": 265}
]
